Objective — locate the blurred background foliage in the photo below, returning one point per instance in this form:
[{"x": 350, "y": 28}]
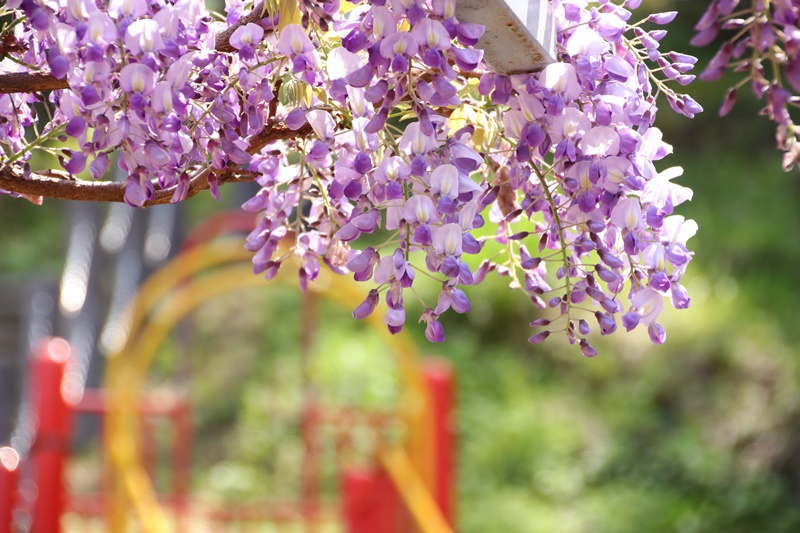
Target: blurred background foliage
[{"x": 699, "y": 435}]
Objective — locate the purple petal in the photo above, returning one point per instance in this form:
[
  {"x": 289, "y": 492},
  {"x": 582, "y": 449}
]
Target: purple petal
[
  {"x": 727, "y": 103},
  {"x": 376, "y": 93},
  {"x": 660, "y": 281},
  {"x": 377, "y": 122},
  {"x": 348, "y": 232},
  {"x": 354, "y": 189},
  {"x": 680, "y": 297},
  {"x": 213, "y": 186},
  {"x": 395, "y": 317},
  {"x": 39, "y": 19},
  {"x": 469, "y": 244},
  {"x": 295, "y": 119},
  {"x": 76, "y": 163},
  {"x": 367, "y": 222},
  {"x": 98, "y": 167},
  {"x": 360, "y": 77},
  {"x": 630, "y": 320},
  {"x": 361, "y": 260},
  {"x": 663, "y": 18},
  {"x": 423, "y": 235},
  {"x": 705, "y": 37},
  {"x": 619, "y": 69},
  {"x": 59, "y": 66},
  {"x": 134, "y": 193},
  {"x": 587, "y": 349},
  {"x": 434, "y": 331},
  {"x": 459, "y": 301},
  {"x": 76, "y": 126},
  {"x": 469, "y": 33},
  {"x": 366, "y": 307},
  {"x": 657, "y": 333},
  {"x": 539, "y": 337}
]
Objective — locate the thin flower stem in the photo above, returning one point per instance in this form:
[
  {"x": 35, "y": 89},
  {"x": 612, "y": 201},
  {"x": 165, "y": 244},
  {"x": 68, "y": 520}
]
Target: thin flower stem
[
  {"x": 424, "y": 272},
  {"x": 391, "y": 240},
  {"x": 419, "y": 297},
  {"x": 36, "y": 143},
  {"x": 324, "y": 194},
  {"x": 561, "y": 238}
]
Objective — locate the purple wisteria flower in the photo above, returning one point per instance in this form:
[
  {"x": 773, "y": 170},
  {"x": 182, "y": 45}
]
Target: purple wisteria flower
[
  {"x": 763, "y": 46},
  {"x": 383, "y": 120},
  {"x": 245, "y": 38}
]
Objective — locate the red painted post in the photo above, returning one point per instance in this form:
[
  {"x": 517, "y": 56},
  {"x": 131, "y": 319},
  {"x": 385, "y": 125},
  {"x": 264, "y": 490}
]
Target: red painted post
[
  {"x": 52, "y": 435},
  {"x": 441, "y": 384},
  {"x": 181, "y": 461},
  {"x": 370, "y": 503},
  {"x": 9, "y": 476},
  {"x": 310, "y": 482},
  {"x": 148, "y": 446}
]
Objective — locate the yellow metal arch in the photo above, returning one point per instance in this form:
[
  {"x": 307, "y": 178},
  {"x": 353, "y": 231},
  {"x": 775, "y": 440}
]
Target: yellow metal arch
[{"x": 194, "y": 277}]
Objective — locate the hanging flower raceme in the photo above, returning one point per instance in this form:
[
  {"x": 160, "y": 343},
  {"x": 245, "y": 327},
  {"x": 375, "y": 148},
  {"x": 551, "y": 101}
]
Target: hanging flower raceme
[
  {"x": 763, "y": 47},
  {"x": 392, "y": 126}
]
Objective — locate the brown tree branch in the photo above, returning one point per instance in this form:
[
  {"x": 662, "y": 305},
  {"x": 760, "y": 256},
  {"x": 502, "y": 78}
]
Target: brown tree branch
[
  {"x": 55, "y": 184},
  {"x": 223, "y": 38},
  {"x": 30, "y": 82},
  {"x": 33, "y": 82}
]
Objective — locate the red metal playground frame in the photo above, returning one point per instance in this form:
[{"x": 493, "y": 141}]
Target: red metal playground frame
[{"x": 369, "y": 500}]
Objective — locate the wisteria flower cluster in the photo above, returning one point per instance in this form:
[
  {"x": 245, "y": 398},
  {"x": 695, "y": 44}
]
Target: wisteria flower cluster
[
  {"x": 146, "y": 81},
  {"x": 384, "y": 145},
  {"x": 764, "y": 46}
]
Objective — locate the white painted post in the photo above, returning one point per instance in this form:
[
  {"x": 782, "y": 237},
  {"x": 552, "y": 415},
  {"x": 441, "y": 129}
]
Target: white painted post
[{"x": 520, "y": 35}]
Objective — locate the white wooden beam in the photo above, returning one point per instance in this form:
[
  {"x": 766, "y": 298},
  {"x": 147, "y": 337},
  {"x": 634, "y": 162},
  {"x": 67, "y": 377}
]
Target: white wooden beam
[{"x": 520, "y": 35}]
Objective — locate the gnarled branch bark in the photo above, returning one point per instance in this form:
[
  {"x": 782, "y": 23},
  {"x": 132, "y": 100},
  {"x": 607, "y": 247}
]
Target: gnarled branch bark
[
  {"x": 56, "y": 184},
  {"x": 30, "y": 82},
  {"x": 223, "y": 38}
]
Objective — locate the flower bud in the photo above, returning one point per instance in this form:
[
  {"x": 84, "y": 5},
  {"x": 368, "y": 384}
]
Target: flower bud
[{"x": 366, "y": 307}]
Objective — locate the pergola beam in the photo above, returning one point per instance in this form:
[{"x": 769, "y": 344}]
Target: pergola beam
[{"x": 520, "y": 35}]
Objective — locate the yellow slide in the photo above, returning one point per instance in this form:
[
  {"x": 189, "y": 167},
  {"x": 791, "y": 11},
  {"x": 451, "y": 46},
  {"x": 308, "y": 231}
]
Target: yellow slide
[{"x": 180, "y": 287}]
